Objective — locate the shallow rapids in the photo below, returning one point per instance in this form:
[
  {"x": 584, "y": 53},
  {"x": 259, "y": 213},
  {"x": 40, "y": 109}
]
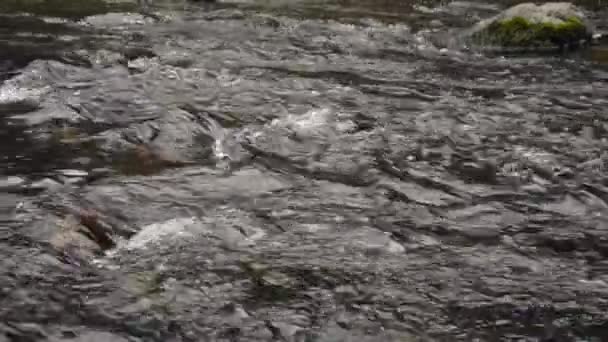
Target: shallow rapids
[{"x": 298, "y": 171}]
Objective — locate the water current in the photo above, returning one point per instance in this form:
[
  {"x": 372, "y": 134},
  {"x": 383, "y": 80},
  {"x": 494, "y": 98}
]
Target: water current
[{"x": 290, "y": 170}]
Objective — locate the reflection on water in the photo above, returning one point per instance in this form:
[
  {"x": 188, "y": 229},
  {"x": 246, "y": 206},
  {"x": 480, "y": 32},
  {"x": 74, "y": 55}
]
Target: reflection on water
[
  {"x": 64, "y": 8},
  {"x": 599, "y": 54},
  {"x": 24, "y": 154}
]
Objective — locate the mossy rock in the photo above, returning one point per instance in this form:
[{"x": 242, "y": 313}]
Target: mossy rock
[{"x": 551, "y": 25}]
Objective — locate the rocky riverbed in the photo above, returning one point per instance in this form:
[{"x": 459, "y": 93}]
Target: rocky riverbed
[{"x": 298, "y": 171}]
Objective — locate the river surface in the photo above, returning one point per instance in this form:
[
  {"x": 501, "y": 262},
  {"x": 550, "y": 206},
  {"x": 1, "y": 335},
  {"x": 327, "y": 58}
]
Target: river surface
[{"x": 290, "y": 170}]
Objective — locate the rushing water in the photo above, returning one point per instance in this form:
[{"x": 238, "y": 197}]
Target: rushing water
[{"x": 297, "y": 171}]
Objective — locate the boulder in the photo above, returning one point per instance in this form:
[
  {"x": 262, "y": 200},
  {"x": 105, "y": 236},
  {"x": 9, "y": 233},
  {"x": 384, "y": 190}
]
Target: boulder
[{"x": 527, "y": 25}]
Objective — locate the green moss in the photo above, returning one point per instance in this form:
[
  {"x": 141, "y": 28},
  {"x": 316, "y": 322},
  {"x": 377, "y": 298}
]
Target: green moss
[{"x": 520, "y": 32}]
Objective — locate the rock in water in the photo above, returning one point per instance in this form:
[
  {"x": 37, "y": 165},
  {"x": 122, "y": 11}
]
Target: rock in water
[{"x": 530, "y": 26}]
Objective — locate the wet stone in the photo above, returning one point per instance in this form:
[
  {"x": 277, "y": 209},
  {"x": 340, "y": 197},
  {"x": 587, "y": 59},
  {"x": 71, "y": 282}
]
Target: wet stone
[
  {"x": 284, "y": 330},
  {"x": 181, "y": 59},
  {"x": 73, "y": 173},
  {"x": 139, "y": 64},
  {"x": 115, "y": 20},
  {"x": 11, "y": 183},
  {"x": 71, "y": 236},
  {"x": 45, "y": 184}
]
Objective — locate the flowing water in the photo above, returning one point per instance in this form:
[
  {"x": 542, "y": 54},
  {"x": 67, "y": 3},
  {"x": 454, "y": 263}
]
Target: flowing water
[{"x": 297, "y": 170}]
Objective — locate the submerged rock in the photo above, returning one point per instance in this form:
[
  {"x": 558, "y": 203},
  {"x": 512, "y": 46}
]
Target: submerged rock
[
  {"x": 527, "y": 25},
  {"x": 11, "y": 183}
]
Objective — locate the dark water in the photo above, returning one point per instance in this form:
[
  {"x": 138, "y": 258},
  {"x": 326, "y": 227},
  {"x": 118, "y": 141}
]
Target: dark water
[{"x": 297, "y": 171}]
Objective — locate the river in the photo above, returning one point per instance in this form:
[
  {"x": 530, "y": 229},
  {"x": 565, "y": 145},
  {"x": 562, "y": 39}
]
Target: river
[{"x": 297, "y": 170}]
